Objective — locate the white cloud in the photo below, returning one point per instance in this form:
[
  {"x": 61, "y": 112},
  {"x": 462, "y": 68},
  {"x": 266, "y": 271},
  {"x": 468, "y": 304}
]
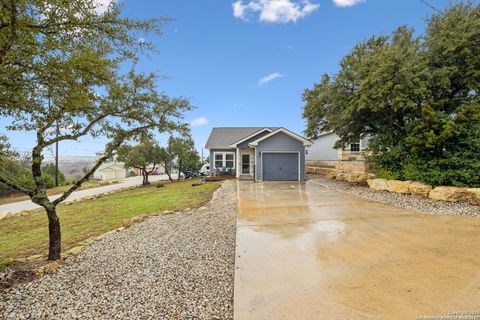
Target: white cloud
[
  {"x": 269, "y": 78},
  {"x": 347, "y": 3},
  {"x": 274, "y": 11},
  {"x": 102, "y": 6},
  {"x": 200, "y": 121}
]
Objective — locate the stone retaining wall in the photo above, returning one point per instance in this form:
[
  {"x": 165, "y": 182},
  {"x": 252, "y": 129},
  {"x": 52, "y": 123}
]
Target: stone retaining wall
[
  {"x": 321, "y": 163},
  {"x": 351, "y": 171},
  {"x": 358, "y": 172},
  {"x": 443, "y": 193}
]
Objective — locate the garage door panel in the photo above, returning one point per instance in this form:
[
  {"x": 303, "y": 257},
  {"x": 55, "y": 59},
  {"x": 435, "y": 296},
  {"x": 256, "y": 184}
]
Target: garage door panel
[{"x": 280, "y": 166}]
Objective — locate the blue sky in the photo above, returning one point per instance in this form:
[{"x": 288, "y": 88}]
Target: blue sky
[{"x": 218, "y": 57}]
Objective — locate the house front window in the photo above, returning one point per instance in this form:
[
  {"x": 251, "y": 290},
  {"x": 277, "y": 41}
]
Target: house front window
[
  {"x": 224, "y": 160},
  {"x": 229, "y": 162},
  {"x": 355, "y": 147}
]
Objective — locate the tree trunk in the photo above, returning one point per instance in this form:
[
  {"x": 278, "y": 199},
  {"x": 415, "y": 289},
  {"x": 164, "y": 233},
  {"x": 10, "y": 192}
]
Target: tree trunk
[
  {"x": 179, "y": 169},
  {"x": 55, "y": 245},
  {"x": 145, "y": 179},
  {"x": 168, "y": 172}
]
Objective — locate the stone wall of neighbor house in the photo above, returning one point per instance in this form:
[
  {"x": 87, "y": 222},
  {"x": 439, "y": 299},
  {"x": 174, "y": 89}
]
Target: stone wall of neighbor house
[
  {"x": 442, "y": 193},
  {"x": 321, "y": 163},
  {"x": 347, "y": 155},
  {"x": 351, "y": 171}
]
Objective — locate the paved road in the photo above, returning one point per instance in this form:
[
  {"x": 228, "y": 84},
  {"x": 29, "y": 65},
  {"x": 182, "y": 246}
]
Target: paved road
[
  {"x": 305, "y": 252},
  {"x": 17, "y": 207}
]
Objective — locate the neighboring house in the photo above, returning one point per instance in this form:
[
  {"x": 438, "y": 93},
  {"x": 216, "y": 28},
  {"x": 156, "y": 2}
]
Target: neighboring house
[
  {"x": 322, "y": 150},
  {"x": 257, "y": 153},
  {"x": 205, "y": 168},
  {"x": 159, "y": 169},
  {"x": 110, "y": 171}
]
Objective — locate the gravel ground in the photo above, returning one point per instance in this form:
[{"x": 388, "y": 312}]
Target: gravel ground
[
  {"x": 177, "y": 266},
  {"x": 406, "y": 201}
]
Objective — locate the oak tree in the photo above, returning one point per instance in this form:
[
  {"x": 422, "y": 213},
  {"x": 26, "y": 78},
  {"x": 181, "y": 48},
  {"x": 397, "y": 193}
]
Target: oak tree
[{"x": 61, "y": 65}]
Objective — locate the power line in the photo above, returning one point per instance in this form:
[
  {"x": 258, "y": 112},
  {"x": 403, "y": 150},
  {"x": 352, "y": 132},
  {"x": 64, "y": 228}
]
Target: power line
[{"x": 431, "y": 6}]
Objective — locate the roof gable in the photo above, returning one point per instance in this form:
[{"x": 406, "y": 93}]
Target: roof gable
[
  {"x": 293, "y": 135},
  {"x": 236, "y": 143}
]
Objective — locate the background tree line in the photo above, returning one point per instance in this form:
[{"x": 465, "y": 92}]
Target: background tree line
[
  {"x": 417, "y": 97},
  {"x": 148, "y": 155}
]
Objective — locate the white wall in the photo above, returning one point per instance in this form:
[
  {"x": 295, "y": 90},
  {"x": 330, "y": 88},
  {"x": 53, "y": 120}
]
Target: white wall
[{"x": 322, "y": 148}]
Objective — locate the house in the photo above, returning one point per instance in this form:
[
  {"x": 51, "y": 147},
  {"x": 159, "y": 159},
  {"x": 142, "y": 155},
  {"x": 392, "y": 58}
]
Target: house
[
  {"x": 322, "y": 151},
  {"x": 205, "y": 168},
  {"x": 159, "y": 169},
  {"x": 257, "y": 153},
  {"x": 110, "y": 171}
]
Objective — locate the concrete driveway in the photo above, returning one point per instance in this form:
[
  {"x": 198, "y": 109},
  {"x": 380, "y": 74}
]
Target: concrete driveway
[{"x": 305, "y": 252}]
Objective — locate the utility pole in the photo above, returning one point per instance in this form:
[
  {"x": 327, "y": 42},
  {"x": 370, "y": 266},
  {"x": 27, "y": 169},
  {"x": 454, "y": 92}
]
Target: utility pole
[
  {"x": 56, "y": 142},
  {"x": 56, "y": 155}
]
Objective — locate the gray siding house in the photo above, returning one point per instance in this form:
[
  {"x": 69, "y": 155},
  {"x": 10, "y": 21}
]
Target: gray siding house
[
  {"x": 258, "y": 153},
  {"x": 322, "y": 150}
]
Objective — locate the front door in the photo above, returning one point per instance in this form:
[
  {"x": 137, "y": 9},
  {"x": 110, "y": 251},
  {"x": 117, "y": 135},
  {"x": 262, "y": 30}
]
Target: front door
[{"x": 246, "y": 163}]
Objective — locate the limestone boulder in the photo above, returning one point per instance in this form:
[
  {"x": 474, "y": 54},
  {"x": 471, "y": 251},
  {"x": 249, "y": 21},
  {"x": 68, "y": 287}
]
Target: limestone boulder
[
  {"x": 342, "y": 176},
  {"x": 311, "y": 170},
  {"x": 451, "y": 194},
  {"x": 331, "y": 174},
  {"x": 378, "y": 184},
  {"x": 420, "y": 189},
  {"x": 75, "y": 250},
  {"x": 357, "y": 177},
  {"x": 399, "y": 186},
  {"x": 474, "y": 195}
]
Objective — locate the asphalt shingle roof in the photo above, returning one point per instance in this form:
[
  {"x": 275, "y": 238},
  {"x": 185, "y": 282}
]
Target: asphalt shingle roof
[{"x": 223, "y": 137}]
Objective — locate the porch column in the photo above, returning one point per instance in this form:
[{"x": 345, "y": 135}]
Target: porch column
[{"x": 238, "y": 165}]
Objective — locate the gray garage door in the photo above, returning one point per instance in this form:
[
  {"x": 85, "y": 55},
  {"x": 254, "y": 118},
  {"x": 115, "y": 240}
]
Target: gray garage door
[{"x": 280, "y": 166}]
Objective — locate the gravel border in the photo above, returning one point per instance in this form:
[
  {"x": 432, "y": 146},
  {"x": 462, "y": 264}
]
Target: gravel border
[
  {"x": 176, "y": 266},
  {"x": 405, "y": 201}
]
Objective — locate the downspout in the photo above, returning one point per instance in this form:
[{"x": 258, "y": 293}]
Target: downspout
[{"x": 255, "y": 165}]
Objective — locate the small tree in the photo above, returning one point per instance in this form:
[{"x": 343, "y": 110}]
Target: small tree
[
  {"x": 166, "y": 159},
  {"x": 183, "y": 150},
  {"x": 60, "y": 67},
  {"x": 141, "y": 156}
]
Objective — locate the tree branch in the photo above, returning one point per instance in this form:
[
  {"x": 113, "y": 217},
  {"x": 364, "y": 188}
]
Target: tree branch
[
  {"x": 153, "y": 169},
  {"x": 107, "y": 155},
  {"x": 78, "y": 135},
  {"x": 16, "y": 186},
  {"x": 82, "y": 180},
  {"x": 13, "y": 31}
]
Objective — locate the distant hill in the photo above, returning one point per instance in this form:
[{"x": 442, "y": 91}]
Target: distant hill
[{"x": 73, "y": 167}]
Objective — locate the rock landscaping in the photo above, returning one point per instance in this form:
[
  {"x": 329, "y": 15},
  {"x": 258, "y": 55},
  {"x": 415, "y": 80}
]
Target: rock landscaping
[
  {"x": 379, "y": 191},
  {"x": 351, "y": 171},
  {"x": 442, "y": 193},
  {"x": 172, "y": 266}
]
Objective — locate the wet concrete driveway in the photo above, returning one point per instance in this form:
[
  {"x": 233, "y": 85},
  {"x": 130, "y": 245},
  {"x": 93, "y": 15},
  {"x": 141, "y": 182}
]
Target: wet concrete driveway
[{"x": 305, "y": 252}]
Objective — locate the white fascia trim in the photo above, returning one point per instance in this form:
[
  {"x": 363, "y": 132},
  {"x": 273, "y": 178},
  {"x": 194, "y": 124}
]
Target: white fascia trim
[
  {"x": 234, "y": 145},
  {"x": 306, "y": 142},
  {"x": 325, "y": 133}
]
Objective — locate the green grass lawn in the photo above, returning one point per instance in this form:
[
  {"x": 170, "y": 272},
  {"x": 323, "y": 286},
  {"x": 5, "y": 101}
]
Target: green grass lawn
[{"x": 24, "y": 236}]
